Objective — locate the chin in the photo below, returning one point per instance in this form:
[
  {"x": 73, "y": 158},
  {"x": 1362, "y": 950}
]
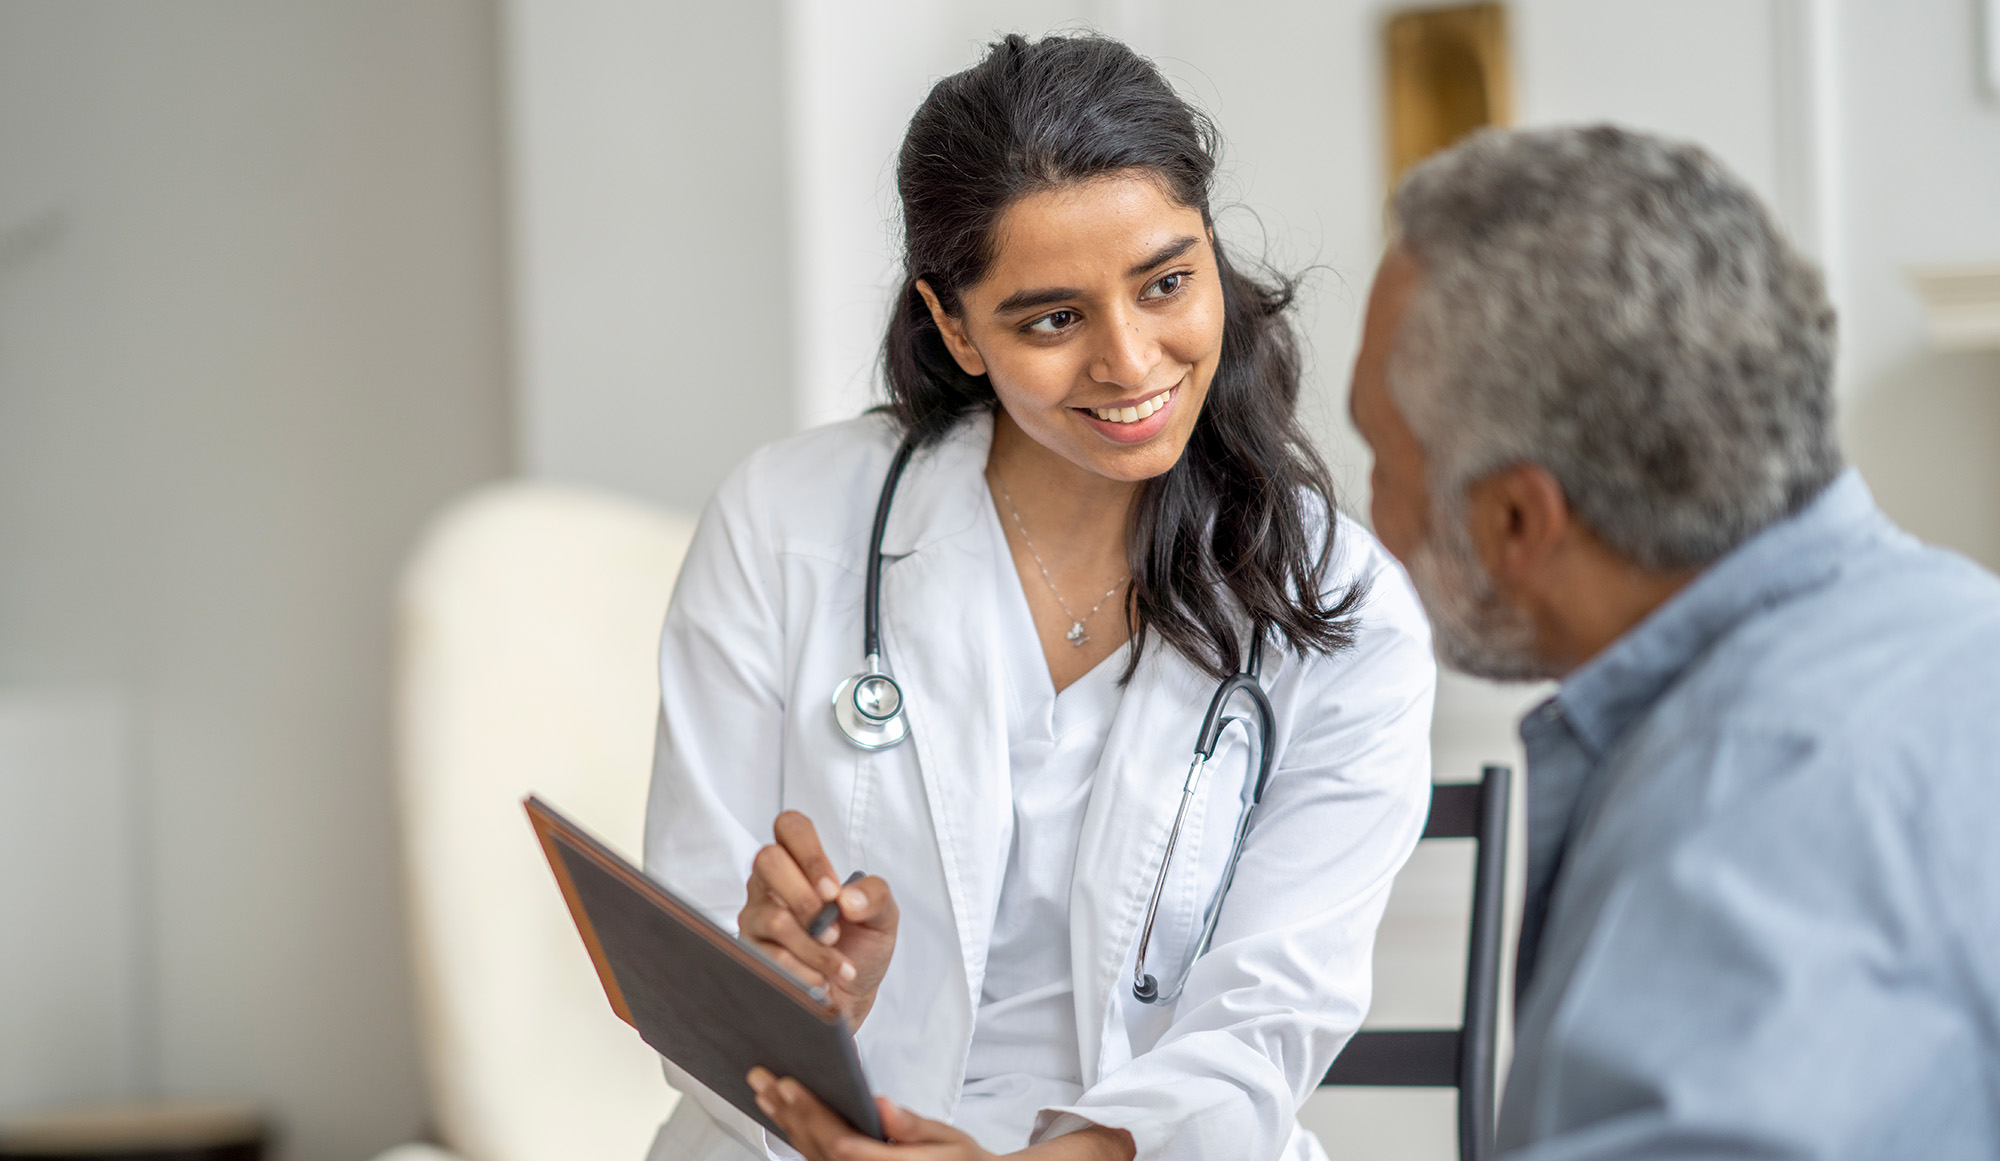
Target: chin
[
  {"x": 1137, "y": 464},
  {"x": 1490, "y": 660},
  {"x": 1473, "y": 629}
]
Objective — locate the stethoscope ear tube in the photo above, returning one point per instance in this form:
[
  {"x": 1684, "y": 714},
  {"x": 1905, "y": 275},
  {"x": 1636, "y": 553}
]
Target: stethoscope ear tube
[
  {"x": 868, "y": 707},
  {"x": 1213, "y": 725},
  {"x": 1145, "y": 988}
]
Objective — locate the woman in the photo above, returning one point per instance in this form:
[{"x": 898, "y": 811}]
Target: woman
[{"x": 1109, "y": 507}]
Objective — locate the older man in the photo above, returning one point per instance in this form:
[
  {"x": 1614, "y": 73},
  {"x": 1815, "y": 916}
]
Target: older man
[{"x": 1763, "y": 896}]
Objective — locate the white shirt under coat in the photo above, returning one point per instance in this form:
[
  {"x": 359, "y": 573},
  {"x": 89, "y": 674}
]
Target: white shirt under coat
[
  {"x": 766, "y": 620},
  {"x": 1024, "y": 1047}
]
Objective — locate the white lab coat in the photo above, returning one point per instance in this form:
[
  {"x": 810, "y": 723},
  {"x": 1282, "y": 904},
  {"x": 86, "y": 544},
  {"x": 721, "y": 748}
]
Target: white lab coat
[{"x": 765, "y": 622}]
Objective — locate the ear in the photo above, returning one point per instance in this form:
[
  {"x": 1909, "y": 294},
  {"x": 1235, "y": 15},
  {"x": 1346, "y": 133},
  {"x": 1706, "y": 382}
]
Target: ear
[
  {"x": 953, "y": 330},
  {"x": 1519, "y": 519}
]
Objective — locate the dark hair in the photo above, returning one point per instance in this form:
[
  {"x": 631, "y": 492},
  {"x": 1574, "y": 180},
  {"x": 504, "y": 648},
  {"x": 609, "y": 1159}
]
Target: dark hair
[{"x": 1249, "y": 506}]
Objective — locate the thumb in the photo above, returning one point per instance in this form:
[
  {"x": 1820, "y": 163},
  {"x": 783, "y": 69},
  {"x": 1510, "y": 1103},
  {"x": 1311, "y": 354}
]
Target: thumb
[{"x": 907, "y": 1128}]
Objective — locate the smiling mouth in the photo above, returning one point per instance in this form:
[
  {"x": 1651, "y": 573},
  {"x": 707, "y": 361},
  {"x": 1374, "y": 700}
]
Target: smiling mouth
[{"x": 1144, "y": 409}]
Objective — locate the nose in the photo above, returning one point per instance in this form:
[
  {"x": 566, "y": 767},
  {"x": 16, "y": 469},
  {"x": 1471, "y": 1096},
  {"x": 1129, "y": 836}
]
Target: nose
[{"x": 1127, "y": 352}]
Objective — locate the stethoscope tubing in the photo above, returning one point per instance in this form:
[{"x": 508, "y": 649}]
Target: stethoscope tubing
[
  {"x": 1144, "y": 986},
  {"x": 885, "y": 728},
  {"x": 871, "y": 600}
]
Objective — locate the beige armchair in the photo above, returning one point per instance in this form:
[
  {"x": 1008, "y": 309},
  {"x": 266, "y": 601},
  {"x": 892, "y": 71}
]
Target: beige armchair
[{"x": 525, "y": 654}]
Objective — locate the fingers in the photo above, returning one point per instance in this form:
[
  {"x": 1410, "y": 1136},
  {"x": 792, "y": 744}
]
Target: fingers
[
  {"x": 780, "y": 876},
  {"x": 781, "y": 903},
  {"x": 779, "y": 934},
  {"x": 907, "y": 1128},
  {"x": 810, "y": 976},
  {"x": 795, "y": 833},
  {"x": 791, "y": 881},
  {"x": 814, "y": 1130},
  {"x": 869, "y": 903}
]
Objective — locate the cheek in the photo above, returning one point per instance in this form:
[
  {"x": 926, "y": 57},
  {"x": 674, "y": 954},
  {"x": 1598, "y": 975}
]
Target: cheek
[
  {"x": 1398, "y": 509},
  {"x": 1197, "y": 339},
  {"x": 1028, "y": 380},
  {"x": 1194, "y": 341}
]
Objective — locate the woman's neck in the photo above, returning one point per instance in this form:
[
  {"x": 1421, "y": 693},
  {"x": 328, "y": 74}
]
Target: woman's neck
[
  {"x": 1066, "y": 530},
  {"x": 1076, "y": 518}
]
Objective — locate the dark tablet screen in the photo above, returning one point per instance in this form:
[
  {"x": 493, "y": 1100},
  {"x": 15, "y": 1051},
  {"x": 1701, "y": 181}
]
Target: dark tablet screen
[{"x": 696, "y": 993}]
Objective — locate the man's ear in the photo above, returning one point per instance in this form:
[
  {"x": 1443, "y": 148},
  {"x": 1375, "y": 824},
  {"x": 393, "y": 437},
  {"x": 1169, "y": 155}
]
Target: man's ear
[
  {"x": 961, "y": 348},
  {"x": 1519, "y": 519}
]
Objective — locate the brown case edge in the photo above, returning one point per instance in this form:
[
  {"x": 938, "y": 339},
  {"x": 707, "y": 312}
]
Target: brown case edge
[
  {"x": 544, "y": 831},
  {"x": 547, "y": 821}
]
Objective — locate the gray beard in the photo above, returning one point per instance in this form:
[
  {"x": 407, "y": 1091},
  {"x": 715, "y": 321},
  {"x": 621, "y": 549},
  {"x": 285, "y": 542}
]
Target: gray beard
[{"x": 1473, "y": 630}]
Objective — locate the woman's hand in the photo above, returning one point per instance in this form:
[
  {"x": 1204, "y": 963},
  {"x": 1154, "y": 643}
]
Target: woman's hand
[
  {"x": 790, "y": 880},
  {"x": 820, "y": 1133}
]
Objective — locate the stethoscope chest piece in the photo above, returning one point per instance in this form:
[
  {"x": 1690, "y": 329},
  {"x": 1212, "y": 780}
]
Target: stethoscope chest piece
[{"x": 868, "y": 707}]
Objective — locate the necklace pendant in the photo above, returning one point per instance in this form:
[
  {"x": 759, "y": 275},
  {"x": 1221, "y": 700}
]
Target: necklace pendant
[{"x": 1076, "y": 636}]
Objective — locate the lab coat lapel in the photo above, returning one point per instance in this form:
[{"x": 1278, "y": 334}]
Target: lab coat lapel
[
  {"x": 1132, "y": 805},
  {"x": 940, "y": 628}
]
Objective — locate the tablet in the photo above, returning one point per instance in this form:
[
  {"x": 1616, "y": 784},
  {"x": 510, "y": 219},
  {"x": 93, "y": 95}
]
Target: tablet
[{"x": 699, "y": 996}]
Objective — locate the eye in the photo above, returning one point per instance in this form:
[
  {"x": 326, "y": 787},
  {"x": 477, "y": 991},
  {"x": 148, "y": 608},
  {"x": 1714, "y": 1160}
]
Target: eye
[
  {"x": 1168, "y": 285},
  {"x": 1053, "y": 323}
]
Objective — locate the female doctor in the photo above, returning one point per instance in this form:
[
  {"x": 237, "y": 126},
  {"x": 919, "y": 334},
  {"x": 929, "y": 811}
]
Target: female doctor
[{"x": 1108, "y": 509}]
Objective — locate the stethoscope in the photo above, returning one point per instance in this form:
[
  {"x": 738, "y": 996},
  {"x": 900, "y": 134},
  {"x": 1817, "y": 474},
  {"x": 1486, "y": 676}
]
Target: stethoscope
[{"x": 868, "y": 707}]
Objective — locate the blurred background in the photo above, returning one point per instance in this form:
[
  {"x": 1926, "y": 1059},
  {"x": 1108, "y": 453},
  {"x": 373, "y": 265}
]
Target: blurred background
[{"x": 280, "y": 282}]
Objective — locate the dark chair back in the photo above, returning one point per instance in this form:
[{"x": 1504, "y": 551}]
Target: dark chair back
[{"x": 1462, "y": 1057}]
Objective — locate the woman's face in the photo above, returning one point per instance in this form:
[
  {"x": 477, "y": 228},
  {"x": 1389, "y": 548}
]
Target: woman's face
[{"x": 1099, "y": 323}]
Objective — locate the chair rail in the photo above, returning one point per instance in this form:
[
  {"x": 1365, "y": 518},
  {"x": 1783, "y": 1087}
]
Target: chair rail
[{"x": 1403, "y": 1058}]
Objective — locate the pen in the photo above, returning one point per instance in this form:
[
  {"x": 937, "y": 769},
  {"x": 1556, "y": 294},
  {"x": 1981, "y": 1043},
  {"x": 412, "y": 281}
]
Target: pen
[{"x": 831, "y": 911}]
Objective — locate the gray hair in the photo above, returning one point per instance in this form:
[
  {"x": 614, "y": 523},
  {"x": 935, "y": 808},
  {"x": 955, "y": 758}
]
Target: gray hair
[{"x": 1621, "y": 311}]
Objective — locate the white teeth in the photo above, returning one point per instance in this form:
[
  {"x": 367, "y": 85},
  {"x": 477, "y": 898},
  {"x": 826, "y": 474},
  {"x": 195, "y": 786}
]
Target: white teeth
[{"x": 1133, "y": 414}]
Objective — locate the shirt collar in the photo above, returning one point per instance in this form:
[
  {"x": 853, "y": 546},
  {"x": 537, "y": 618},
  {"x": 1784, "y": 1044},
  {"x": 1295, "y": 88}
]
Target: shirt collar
[
  {"x": 1604, "y": 696},
  {"x": 943, "y": 492}
]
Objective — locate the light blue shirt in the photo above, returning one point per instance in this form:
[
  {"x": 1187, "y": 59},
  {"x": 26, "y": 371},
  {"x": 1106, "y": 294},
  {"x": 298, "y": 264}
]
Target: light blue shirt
[{"x": 1763, "y": 897}]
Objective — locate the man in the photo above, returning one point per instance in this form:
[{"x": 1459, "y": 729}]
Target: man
[{"x": 1763, "y": 893}]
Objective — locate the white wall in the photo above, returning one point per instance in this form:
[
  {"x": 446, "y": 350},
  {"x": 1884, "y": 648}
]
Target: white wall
[
  {"x": 1920, "y": 181},
  {"x": 251, "y": 335},
  {"x": 75, "y": 965},
  {"x": 653, "y": 281}
]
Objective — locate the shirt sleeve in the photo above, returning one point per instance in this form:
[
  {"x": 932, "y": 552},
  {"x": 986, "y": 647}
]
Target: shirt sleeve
[
  {"x": 1287, "y": 980},
  {"x": 716, "y": 759}
]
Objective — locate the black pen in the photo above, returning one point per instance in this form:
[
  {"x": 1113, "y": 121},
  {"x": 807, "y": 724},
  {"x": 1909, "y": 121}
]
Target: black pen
[{"x": 831, "y": 911}]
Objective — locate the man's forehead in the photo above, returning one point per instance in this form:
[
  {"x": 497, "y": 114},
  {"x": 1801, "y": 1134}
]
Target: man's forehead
[{"x": 1396, "y": 281}]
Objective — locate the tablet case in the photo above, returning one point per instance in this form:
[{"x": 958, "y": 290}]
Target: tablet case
[{"x": 697, "y": 994}]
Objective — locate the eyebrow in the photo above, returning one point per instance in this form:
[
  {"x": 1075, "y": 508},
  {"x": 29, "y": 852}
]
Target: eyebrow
[
  {"x": 1029, "y": 299},
  {"x": 1163, "y": 255}
]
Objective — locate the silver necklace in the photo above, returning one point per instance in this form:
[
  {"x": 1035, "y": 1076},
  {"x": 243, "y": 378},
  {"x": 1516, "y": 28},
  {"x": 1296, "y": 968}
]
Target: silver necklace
[{"x": 1076, "y": 636}]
